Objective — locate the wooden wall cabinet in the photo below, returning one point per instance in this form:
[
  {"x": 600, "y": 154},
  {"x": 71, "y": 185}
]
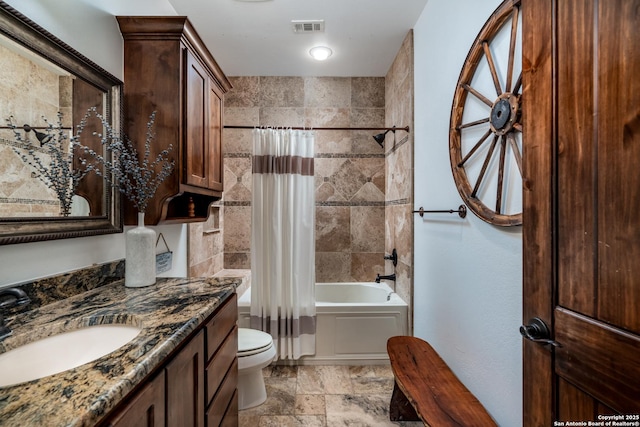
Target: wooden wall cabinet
[
  {"x": 197, "y": 387},
  {"x": 168, "y": 69}
]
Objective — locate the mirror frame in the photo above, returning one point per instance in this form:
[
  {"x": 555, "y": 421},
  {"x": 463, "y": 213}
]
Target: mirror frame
[{"x": 22, "y": 30}]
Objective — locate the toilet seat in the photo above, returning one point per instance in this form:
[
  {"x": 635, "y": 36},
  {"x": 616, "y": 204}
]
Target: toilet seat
[{"x": 252, "y": 341}]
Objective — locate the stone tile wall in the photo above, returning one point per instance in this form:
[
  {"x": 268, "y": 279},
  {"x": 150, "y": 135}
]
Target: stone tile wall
[
  {"x": 30, "y": 92},
  {"x": 206, "y": 249},
  {"x": 399, "y": 171},
  {"x": 364, "y": 194},
  {"x": 349, "y": 167}
]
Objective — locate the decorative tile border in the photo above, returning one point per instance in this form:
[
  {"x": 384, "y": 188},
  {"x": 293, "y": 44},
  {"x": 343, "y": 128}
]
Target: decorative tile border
[
  {"x": 236, "y": 203},
  {"x": 349, "y": 156},
  {"x": 323, "y": 155},
  {"x": 331, "y": 203},
  {"x": 11, "y": 200},
  {"x": 350, "y": 204},
  {"x": 398, "y": 202},
  {"x": 25, "y": 144}
]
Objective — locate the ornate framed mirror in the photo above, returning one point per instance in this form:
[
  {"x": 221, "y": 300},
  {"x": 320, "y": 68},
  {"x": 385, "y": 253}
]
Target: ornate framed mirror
[{"x": 46, "y": 89}]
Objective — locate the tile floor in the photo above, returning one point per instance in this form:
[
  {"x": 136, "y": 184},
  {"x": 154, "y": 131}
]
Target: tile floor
[{"x": 325, "y": 396}]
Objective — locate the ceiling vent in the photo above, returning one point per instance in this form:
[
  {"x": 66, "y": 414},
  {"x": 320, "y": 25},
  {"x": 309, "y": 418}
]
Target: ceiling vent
[{"x": 309, "y": 26}]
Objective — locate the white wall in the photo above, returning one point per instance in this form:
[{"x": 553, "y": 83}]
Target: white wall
[
  {"x": 468, "y": 274},
  {"x": 88, "y": 26}
]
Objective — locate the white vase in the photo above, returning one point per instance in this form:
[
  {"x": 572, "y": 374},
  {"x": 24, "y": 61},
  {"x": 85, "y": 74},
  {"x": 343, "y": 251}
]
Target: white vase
[{"x": 140, "y": 256}]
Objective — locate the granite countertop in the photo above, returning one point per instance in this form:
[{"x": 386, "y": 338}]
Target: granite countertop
[{"x": 167, "y": 312}]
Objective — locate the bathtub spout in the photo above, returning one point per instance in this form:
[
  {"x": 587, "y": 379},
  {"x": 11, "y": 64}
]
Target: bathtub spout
[{"x": 389, "y": 277}]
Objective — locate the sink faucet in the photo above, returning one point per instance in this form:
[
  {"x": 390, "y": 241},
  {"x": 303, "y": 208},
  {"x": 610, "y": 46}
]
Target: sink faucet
[
  {"x": 10, "y": 297},
  {"x": 389, "y": 277}
]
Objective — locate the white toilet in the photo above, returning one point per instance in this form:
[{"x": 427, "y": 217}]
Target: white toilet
[{"x": 255, "y": 351}]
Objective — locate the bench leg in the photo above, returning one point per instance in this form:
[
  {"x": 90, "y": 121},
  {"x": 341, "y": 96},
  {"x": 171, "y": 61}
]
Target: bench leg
[{"x": 400, "y": 409}]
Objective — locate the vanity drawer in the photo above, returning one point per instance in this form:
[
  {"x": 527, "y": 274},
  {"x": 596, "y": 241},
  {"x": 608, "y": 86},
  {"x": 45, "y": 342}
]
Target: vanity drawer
[
  {"x": 224, "y": 407},
  {"x": 219, "y": 365},
  {"x": 219, "y": 327}
]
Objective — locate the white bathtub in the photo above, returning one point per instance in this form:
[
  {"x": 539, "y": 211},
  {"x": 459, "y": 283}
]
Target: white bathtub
[{"x": 354, "y": 321}]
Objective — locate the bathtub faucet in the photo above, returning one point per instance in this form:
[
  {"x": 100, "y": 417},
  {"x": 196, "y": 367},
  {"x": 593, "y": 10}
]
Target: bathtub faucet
[{"x": 389, "y": 277}]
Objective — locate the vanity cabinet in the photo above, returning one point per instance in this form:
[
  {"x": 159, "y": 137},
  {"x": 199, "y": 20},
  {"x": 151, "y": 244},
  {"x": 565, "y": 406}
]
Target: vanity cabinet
[
  {"x": 185, "y": 388},
  {"x": 168, "y": 69},
  {"x": 197, "y": 386}
]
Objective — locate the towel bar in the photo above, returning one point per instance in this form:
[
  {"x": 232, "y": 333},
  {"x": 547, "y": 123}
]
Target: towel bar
[{"x": 461, "y": 211}]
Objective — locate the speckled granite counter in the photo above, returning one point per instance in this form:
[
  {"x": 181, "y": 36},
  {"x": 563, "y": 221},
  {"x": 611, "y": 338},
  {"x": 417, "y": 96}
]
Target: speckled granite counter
[{"x": 167, "y": 312}]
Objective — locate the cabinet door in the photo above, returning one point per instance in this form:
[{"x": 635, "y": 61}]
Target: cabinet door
[
  {"x": 145, "y": 409},
  {"x": 185, "y": 385},
  {"x": 215, "y": 138},
  {"x": 196, "y": 123}
]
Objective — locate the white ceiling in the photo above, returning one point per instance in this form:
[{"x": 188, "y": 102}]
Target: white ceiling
[{"x": 256, "y": 39}]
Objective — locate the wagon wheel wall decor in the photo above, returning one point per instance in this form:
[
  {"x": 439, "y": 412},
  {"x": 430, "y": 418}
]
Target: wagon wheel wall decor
[{"x": 485, "y": 134}]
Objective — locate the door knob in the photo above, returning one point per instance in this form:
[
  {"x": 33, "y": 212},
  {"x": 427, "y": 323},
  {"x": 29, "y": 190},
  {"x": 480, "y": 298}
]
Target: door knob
[{"x": 538, "y": 332}]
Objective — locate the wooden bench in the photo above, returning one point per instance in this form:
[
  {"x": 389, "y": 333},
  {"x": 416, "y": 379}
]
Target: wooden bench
[{"x": 427, "y": 390}]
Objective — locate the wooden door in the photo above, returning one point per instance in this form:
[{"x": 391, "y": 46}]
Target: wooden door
[{"x": 581, "y": 120}]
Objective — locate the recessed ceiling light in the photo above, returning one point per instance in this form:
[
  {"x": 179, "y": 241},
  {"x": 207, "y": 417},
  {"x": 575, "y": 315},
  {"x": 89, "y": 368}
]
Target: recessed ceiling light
[{"x": 320, "y": 53}]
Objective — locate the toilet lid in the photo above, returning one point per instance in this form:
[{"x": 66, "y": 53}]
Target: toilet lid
[{"x": 252, "y": 341}]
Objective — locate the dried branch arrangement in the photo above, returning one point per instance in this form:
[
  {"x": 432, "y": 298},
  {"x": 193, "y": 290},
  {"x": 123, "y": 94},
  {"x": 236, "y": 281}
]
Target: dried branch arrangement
[
  {"x": 52, "y": 159},
  {"x": 137, "y": 177}
]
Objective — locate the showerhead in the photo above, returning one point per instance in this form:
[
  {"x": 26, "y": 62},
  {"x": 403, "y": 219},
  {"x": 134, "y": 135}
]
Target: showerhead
[
  {"x": 380, "y": 137},
  {"x": 42, "y": 137}
]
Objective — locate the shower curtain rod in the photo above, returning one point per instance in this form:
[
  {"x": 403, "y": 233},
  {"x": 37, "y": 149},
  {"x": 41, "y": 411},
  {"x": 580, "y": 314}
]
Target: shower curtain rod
[{"x": 406, "y": 128}]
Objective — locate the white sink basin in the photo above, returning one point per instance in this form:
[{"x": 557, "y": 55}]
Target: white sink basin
[{"x": 62, "y": 352}]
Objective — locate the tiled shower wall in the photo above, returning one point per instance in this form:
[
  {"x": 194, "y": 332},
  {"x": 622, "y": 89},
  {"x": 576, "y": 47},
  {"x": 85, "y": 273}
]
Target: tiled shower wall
[
  {"x": 30, "y": 92},
  {"x": 399, "y": 170},
  {"x": 364, "y": 194},
  {"x": 349, "y": 167}
]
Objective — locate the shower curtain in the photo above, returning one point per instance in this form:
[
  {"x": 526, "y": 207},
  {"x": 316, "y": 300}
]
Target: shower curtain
[{"x": 283, "y": 240}]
